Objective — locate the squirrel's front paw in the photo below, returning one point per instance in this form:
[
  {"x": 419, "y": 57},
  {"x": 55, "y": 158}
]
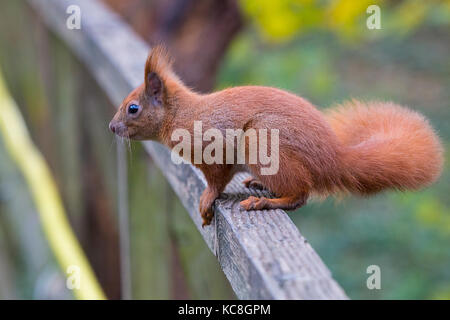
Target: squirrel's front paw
[{"x": 206, "y": 206}]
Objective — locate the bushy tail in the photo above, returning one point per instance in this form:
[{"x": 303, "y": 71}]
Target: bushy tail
[{"x": 386, "y": 146}]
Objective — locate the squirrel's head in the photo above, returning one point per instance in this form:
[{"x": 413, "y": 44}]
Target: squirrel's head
[{"x": 142, "y": 113}]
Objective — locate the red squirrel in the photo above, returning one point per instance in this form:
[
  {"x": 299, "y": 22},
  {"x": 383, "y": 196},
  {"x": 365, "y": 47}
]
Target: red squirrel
[{"x": 358, "y": 147}]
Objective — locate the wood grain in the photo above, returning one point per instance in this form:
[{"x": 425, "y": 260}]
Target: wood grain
[{"x": 262, "y": 253}]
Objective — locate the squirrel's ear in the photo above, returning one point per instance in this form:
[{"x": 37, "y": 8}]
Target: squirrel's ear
[
  {"x": 157, "y": 69},
  {"x": 154, "y": 88}
]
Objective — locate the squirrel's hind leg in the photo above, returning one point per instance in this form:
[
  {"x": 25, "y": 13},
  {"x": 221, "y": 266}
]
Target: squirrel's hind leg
[{"x": 284, "y": 203}]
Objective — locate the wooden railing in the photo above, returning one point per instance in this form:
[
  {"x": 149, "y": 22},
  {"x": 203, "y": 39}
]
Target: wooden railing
[{"x": 262, "y": 254}]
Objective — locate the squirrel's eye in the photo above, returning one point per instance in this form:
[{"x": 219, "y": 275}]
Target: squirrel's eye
[{"x": 133, "y": 108}]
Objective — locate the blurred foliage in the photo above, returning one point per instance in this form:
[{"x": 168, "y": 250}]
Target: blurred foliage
[
  {"x": 406, "y": 234},
  {"x": 53, "y": 217},
  {"x": 282, "y": 20}
]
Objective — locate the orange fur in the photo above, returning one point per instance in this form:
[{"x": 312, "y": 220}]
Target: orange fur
[
  {"x": 386, "y": 146},
  {"x": 358, "y": 147}
]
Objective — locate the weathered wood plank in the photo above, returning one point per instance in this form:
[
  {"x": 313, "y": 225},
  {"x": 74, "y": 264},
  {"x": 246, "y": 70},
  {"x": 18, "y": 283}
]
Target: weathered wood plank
[{"x": 263, "y": 254}]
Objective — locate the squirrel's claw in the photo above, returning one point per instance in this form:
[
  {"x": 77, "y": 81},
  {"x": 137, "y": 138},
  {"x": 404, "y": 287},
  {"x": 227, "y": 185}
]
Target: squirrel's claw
[{"x": 207, "y": 206}]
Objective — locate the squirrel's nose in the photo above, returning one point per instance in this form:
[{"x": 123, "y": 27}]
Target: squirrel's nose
[{"x": 112, "y": 127}]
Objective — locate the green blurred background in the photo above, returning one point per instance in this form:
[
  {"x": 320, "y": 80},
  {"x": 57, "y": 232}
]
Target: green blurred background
[{"x": 321, "y": 50}]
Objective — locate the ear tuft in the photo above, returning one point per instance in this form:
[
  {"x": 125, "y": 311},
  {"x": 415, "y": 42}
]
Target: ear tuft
[
  {"x": 158, "y": 69},
  {"x": 159, "y": 61}
]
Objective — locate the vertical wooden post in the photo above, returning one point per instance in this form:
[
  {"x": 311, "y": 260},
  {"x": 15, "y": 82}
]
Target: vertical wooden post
[{"x": 124, "y": 231}]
